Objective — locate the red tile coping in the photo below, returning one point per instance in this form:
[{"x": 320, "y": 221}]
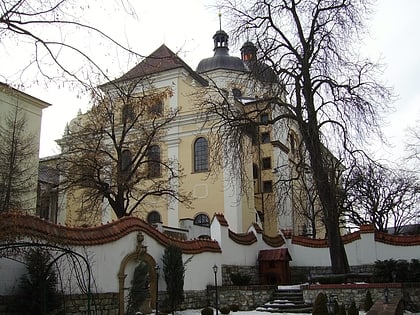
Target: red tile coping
[
  {"x": 14, "y": 224},
  {"x": 310, "y": 242},
  {"x": 221, "y": 218},
  {"x": 243, "y": 238},
  {"x": 398, "y": 240},
  {"x": 273, "y": 241}
]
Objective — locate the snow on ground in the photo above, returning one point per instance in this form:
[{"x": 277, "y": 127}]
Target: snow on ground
[{"x": 198, "y": 312}]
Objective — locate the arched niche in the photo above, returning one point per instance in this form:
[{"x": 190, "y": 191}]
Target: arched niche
[{"x": 140, "y": 254}]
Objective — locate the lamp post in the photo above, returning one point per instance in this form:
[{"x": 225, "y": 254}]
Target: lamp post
[
  {"x": 330, "y": 305},
  {"x": 157, "y": 268},
  {"x": 215, "y": 284}
]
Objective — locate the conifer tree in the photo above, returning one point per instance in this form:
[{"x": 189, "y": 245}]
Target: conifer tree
[
  {"x": 174, "y": 272},
  {"x": 17, "y": 171}
]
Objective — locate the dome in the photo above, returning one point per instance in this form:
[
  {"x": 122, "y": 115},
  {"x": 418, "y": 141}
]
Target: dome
[{"x": 221, "y": 58}]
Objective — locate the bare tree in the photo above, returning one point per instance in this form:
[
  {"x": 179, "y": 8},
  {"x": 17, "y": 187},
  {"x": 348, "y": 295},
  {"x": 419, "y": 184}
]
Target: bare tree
[
  {"x": 17, "y": 163},
  {"x": 112, "y": 152},
  {"x": 413, "y": 143},
  {"x": 383, "y": 197},
  {"x": 47, "y": 29},
  {"x": 333, "y": 96}
]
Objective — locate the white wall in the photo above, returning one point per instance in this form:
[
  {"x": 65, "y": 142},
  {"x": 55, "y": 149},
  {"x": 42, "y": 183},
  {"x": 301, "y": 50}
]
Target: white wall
[{"x": 106, "y": 259}]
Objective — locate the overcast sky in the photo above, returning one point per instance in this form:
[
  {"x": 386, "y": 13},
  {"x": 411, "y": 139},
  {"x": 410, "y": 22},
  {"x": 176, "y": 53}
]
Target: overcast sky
[{"x": 187, "y": 26}]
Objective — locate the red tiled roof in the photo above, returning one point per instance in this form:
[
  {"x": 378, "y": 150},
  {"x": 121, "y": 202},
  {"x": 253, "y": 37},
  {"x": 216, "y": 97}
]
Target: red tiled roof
[
  {"x": 221, "y": 218},
  {"x": 162, "y": 59},
  {"x": 273, "y": 241},
  {"x": 243, "y": 238},
  {"x": 14, "y": 225},
  {"x": 257, "y": 228},
  {"x": 281, "y": 254}
]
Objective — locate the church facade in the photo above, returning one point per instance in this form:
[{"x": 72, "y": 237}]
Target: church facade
[{"x": 239, "y": 180}]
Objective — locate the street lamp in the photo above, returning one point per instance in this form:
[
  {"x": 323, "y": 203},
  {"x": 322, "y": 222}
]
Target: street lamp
[
  {"x": 331, "y": 305},
  {"x": 386, "y": 295},
  {"x": 215, "y": 284},
  {"x": 157, "y": 268}
]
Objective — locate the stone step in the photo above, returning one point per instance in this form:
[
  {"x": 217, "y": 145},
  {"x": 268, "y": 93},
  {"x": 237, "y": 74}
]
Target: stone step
[{"x": 286, "y": 300}]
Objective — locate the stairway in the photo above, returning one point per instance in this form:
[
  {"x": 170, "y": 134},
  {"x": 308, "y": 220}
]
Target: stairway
[{"x": 287, "y": 299}]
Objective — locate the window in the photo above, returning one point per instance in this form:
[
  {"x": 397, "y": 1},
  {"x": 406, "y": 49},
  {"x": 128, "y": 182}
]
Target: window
[
  {"x": 265, "y": 137},
  {"x": 128, "y": 114},
  {"x": 264, "y": 118},
  {"x": 266, "y": 163},
  {"x": 153, "y": 163},
  {"x": 126, "y": 163},
  {"x": 236, "y": 93},
  {"x": 201, "y": 155},
  {"x": 157, "y": 108},
  {"x": 153, "y": 217},
  {"x": 267, "y": 186},
  {"x": 202, "y": 220},
  {"x": 254, "y": 171}
]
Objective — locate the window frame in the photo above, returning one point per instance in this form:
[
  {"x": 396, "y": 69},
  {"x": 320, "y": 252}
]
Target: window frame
[
  {"x": 150, "y": 216},
  {"x": 265, "y": 137},
  {"x": 267, "y": 186},
  {"x": 154, "y": 162},
  {"x": 199, "y": 217},
  {"x": 265, "y": 166},
  {"x": 200, "y": 155}
]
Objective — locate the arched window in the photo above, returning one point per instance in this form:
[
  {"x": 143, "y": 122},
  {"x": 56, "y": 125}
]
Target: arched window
[
  {"x": 153, "y": 217},
  {"x": 201, "y": 155},
  {"x": 202, "y": 220},
  {"x": 153, "y": 163},
  {"x": 126, "y": 163}
]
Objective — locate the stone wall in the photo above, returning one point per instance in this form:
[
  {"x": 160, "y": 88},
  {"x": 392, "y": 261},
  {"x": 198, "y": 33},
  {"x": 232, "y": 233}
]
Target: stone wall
[
  {"x": 77, "y": 304},
  {"x": 346, "y": 293},
  {"x": 251, "y": 271},
  {"x": 246, "y": 297}
]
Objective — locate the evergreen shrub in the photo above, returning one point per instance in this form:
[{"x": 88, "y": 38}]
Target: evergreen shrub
[
  {"x": 353, "y": 309},
  {"x": 225, "y": 310},
  {"x": 368, "y": 301},
  {"x": 37, "y": 292},
  {"x": 320, "y": 305},
  {"x": 207, "y": 311},
  {"x": 342, "y": 310},
  {"x": 234, "y": 307}
]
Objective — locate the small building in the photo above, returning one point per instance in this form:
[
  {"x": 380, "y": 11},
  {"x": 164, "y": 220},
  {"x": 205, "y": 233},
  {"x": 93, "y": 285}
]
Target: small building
[{"x": 274, "y": 266}]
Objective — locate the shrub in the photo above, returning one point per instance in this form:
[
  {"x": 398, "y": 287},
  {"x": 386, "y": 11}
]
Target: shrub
[
  {"x": 225, "y": 310},
  {"x": 238, "y": 279},
  {"x": 38, "y": 288},
  {"x": 368, "y": 301},
  {"x": 342, "y": 310},
  {"x": 353, "y": 309},
  {"x": 207, "y": 311},
  {"x": 403, "y": 271},
  {"x": 234, "y": 307},
  {"x": 320, "y": 305}
]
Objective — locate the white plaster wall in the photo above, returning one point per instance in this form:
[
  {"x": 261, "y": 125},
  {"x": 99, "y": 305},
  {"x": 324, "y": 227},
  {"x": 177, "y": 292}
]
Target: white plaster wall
[{"x": 106, "y": 259}]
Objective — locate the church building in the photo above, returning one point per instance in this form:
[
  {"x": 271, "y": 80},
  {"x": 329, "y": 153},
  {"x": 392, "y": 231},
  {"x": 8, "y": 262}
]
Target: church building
[{"x": 209, "y": 171}]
